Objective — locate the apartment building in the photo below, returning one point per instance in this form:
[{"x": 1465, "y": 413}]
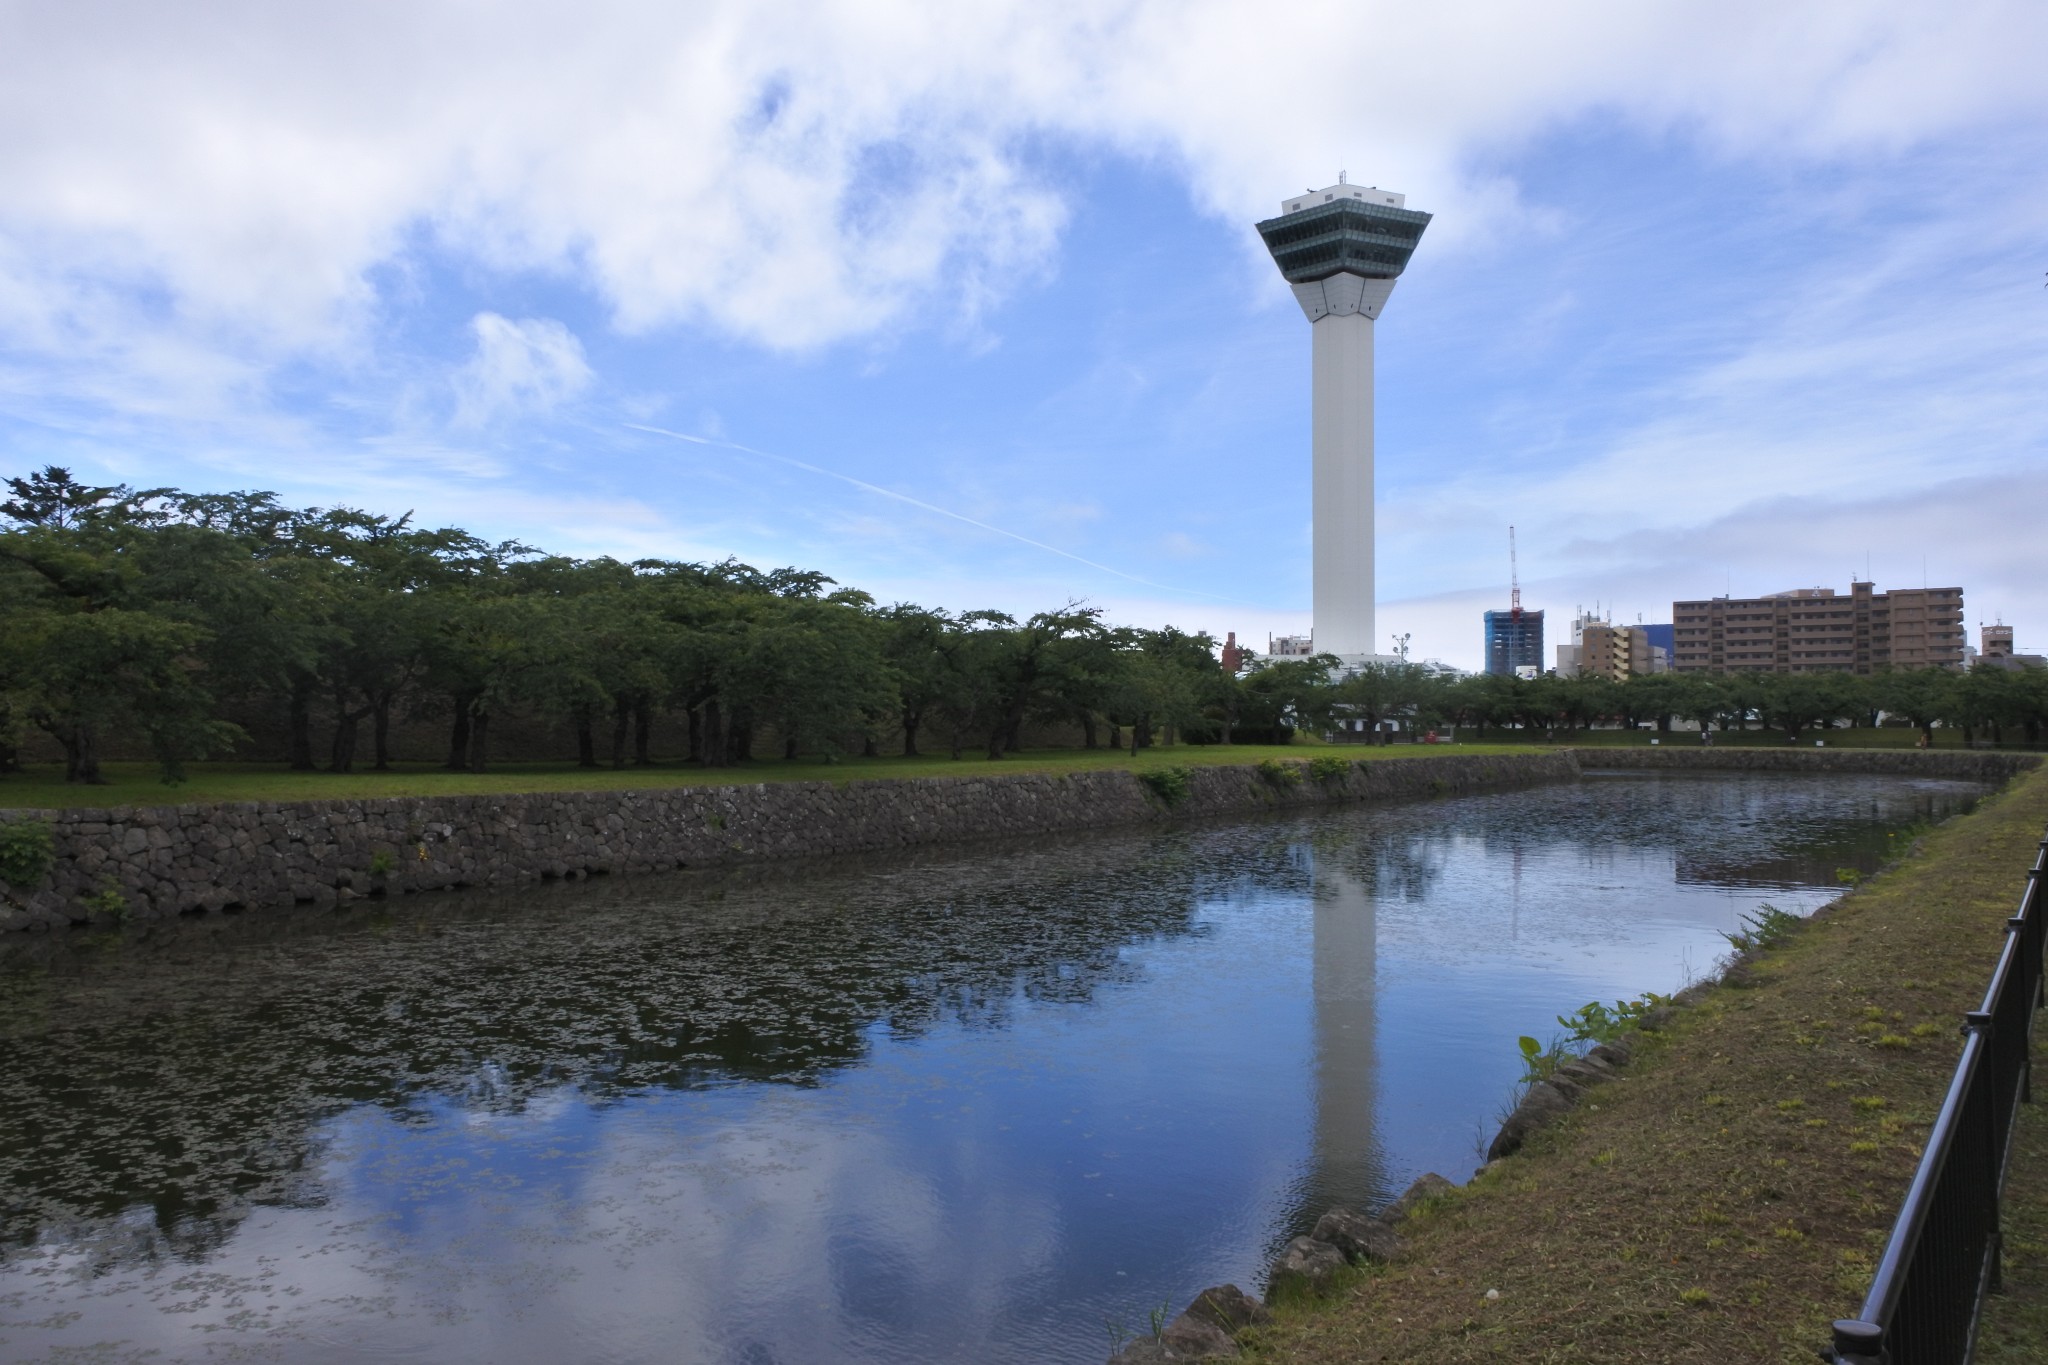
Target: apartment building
[{"x": 1812, "y": 630}]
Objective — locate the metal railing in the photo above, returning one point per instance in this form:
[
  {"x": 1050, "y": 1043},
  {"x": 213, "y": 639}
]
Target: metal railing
[{"x": 1944, "y": 1252}]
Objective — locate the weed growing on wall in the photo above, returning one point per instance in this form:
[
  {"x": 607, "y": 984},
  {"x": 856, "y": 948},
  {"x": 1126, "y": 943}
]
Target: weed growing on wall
[
  {"x": 1329, "y": 768},
  {"x": 27, "y": 852},
  {"x": 108, "y": 900},
  {"x": 1168, "y": 784},
  {"x": 1279, "y": 774}
]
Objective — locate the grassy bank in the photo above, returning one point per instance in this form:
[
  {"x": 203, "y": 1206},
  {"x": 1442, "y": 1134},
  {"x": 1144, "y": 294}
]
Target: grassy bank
[
  {"x": 138, "y": 784},
  {"x": 1727, "y": 1200}
]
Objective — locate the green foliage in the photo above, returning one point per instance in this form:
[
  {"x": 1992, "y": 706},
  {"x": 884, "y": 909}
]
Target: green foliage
[
  {"x": 1540, "y": 1062},
  {"x": 1848, "y": 876},
  {"x": 1279, "y": 774},
  {"x": 28, "y": 849},
  {"x": 1594, "y": 1022},
  {"x": 1170, "y": 785},
  {"x": 383, "y": 863},
  {"x": 1767, "y": 928},
  {"x": 1328, "y": 768},
  {"x": 108, "y": 900}
]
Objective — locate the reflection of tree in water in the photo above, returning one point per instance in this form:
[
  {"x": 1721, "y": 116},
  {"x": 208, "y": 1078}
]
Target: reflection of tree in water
[{"x": 186, "y": 1071}]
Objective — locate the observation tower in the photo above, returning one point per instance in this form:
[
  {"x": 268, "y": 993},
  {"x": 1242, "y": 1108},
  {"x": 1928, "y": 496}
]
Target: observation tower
[{"x": 1341, "y": 249}]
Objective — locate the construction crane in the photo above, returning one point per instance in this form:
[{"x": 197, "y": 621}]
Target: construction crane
[{"x": 1514, "y": 581}]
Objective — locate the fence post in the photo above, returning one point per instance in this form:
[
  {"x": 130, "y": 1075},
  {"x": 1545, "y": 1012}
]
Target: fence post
[
  {"x": 1980, "y": 1022},
  {"x": 2030, "y": 991},
  {"x": 1859, "y": 1343}
]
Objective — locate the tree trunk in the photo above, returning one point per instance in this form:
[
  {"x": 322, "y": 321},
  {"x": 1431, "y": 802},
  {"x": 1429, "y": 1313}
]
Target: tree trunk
[
  {"x": 479, "y": 741},
  {"x": 1088, "y": 729},
  {"x": 789, "y": 748},
  {"x": 301, "y": 725},
  {"x": 586, "y": 741},
  {"x": 1012, "y": 737},
  {"x": 380, "y": 728},
  {"x": 1229, "y": 723},
  {"x": 911, "y": 720},
  {"x": 458, "y": 734},
  {"x": 714, "y": 755},
  {"x": 696, "y": 721},
  {"x": 341, "y": 753},
  {"x": 643, "y": 734},
  {"x": 622, "y": 715},
  {"x": 740, "y": 732},
  {"x": 867, "y": 747},
  {"x": 1116, "y": 735},
  {"x": 1141, "y": 732},
  {"x": 81, "y": 754}
]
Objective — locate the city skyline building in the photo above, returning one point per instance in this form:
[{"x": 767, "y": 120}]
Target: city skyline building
[
  {"x": 1340, "y": 249},
  {"x": 1514, "y": 643},
  {"x": 1813, "y": 630}
]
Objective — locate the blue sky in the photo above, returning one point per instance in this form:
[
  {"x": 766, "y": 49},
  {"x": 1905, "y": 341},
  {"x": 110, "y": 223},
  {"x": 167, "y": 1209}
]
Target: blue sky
[{"x": 963, "y": 305}]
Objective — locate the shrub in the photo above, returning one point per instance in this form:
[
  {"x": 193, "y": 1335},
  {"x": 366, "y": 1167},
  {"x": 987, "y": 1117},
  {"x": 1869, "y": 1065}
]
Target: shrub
[
  {"x": 1279, "y": 774},
  {"x": 27, "y": 852},
  {"x": 1168, "y": 784},
  {"x": 1768, "y": 927},
  {"x": 383, "y": 863},
  {"x": 1328, "y": 768}
]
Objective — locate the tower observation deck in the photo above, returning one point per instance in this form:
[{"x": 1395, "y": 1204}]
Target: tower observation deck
[{"x": 1341, "y": 249}]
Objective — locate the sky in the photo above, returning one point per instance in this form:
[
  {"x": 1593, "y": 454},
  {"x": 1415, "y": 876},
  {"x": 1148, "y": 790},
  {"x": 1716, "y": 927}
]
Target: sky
[{"x": 963, "y": 304}]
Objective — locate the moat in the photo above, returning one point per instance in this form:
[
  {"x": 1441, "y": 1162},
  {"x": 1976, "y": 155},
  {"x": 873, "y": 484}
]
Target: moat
[{"x": 980, "y": 1103}]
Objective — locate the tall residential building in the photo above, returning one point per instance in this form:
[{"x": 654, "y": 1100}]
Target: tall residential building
[
  {"x": 1996, "y": 641},
  {"x": 1342, "y": 248},
  {"x": 1811, "y": 630},
  {"x": 1514, "y": 641},
  {"x": 1601, "y": 648}
]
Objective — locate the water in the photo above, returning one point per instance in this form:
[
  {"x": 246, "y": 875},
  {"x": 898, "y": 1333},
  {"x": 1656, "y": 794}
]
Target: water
[{"x": 975, "y": 1105}]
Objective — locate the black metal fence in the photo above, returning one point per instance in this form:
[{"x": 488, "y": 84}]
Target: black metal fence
[{"x": 1943, "y": 1256}]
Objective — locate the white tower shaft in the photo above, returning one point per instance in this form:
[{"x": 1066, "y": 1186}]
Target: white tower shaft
[{"x": 1342, "y": 485}]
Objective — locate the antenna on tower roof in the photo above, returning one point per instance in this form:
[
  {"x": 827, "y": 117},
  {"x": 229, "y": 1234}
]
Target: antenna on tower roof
[
  {"x": 1343, "y": 178},
  {"x": 1514, "y": 580}
]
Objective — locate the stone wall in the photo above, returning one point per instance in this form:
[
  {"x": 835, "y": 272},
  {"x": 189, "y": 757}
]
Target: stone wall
[
  {"x": 151, "y": 862},
  {"x": 154, "y": 861},
  {"x": 1977, "y": 765}
]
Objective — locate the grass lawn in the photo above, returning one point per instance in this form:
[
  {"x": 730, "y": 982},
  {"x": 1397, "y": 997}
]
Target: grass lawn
[
  {"x": 1727, "y": 1200},
  {"x": 1883, "y": 737},
  {"x": 137, "y": 784}
]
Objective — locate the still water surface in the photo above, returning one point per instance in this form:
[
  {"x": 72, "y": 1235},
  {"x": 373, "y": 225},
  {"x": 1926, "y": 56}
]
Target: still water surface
[{"x": 972, "y": 1105}]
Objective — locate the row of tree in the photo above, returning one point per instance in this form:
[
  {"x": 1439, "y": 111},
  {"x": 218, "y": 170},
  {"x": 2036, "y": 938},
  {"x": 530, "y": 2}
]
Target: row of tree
[
  {"x": 2000, "y": 705},
  {"x": 187, "y": 621},
  {"x": 179, "y": 619}
]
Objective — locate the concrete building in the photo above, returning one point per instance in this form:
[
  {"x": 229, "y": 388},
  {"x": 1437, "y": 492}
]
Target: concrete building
[
  {"x": 1341, "y": 248},
  {"x": 1811, "y": 630},
  {"x": 1998, "y": 650},
  {"x": 1601, "y": 648},
  {"x": 1513, "y": 641}
]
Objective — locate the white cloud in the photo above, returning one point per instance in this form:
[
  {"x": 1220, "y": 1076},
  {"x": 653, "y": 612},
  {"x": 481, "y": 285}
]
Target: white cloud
[
  {"x": 530, "y": 365},
  {"x": 792, "y": 173}
]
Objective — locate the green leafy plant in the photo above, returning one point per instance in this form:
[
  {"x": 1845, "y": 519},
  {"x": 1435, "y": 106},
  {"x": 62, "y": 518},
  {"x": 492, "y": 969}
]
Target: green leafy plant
[
  {"x": 28, "y": 850},
  {"x": 108, "y": 900},
  {"x": 1168, "y": 784},
  {"x": 1279, "y": 774},
  {"x": 1594, "y": 1022},
  {"x": 1767, "y": 928},
  {"x": 383, "y": 863},
  {"x": 1540, "y": 1063},
  {"x": 1848, "y": 876},
  {"x": 1328, "y": 768}
]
